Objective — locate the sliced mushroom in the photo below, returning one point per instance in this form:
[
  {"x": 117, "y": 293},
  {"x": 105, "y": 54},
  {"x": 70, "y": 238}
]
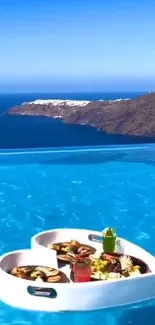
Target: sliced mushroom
[
  {"x": 52, "y": 273},
  {"x": 75, "y": 243},
  {"x": 83, "y": 250},
  {"x": 15, "y": 270},
  {"x": 66, "y": 244},
  {"x": 55, "y": 247},
  {"x": 44, "y": 269},
  {"x": 52, "y": 279},
  {"x": 71, "y": 256}
]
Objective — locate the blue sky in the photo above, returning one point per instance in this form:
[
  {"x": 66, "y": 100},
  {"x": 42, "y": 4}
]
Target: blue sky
[{"x": 80, "y": 45}]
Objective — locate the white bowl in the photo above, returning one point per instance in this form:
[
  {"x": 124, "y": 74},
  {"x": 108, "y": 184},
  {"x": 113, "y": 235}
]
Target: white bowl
[{"x": 42, "y": 239}]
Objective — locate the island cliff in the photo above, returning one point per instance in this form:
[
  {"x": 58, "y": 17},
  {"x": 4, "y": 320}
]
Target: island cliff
[{"x": 127, "y": 117}]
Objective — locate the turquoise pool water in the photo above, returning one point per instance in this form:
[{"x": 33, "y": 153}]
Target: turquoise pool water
[{"x": 88, "y": 188}]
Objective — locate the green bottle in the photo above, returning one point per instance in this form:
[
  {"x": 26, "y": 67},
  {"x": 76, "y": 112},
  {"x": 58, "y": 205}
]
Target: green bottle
[{"x": 109, "y": 240}]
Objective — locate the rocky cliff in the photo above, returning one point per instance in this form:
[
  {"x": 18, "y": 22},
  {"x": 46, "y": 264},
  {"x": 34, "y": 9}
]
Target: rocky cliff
[{"x": 130, "y": 117}]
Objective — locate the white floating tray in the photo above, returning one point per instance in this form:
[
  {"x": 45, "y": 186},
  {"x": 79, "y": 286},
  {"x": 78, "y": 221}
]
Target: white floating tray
[{"x": 71, "y": 296}]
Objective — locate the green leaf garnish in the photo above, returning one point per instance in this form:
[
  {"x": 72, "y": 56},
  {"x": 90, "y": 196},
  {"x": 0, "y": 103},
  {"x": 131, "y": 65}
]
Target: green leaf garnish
[{"x": 109, "y": 232}]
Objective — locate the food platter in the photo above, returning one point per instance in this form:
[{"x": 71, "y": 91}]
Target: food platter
[
  {"x": 60, "y": 289},
  {"x": 66, "y": 251}
]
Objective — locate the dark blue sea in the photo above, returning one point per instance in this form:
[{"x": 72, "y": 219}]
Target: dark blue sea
[{"x": 29, "y": 132}]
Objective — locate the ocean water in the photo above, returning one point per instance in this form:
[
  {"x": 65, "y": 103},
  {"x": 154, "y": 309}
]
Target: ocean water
[
  {"x": 85, "y": 188},
  {"x": 30, "y": 132}
]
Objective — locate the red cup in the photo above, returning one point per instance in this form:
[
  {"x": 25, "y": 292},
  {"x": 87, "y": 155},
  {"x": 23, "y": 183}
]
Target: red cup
[
  {"x": 72, "y": 266},
  {"x": 82, "y": 271}
]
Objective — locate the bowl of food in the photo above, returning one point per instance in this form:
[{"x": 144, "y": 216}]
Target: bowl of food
[
  {"x": 39, "y": 274},
  {"x": 116, "y": 266},
  {"x": 66, "y": 243},
  {"x": 69, "y": 251},
  {"x": 27, "y": 265}
]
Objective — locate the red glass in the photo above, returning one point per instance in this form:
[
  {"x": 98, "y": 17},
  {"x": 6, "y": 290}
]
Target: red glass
[
  {"x": 72, "y": 266},
  {"x": 82, "y": 271}
]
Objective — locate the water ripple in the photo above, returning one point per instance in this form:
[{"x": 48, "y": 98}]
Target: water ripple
[{"x": 40, "y": 197}]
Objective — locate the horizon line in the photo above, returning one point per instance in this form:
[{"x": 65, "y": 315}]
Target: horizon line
[{"x": 75, "y": 92}]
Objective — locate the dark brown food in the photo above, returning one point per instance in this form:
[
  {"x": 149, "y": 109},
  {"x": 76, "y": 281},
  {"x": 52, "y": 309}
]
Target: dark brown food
[
  {"x": 73, "y": 249},
  {"x": 125, "y": 273},
  {"x": 115, "y": 266}
]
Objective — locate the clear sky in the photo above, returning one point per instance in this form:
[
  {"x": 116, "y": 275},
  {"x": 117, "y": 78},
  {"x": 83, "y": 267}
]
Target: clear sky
[{"x": 77, "y": 45}]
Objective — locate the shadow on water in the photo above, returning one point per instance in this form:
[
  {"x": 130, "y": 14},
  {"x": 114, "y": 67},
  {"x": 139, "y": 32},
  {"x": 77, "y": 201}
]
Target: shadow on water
[
  {"x": 83, "y": 158},
  {"x": 101, "y": 158},
  {"x": 138, "y": 316}
]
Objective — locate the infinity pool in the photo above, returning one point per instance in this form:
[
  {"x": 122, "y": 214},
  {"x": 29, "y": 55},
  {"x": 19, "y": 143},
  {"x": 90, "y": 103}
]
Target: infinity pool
[{"x": 85, "y": 188}]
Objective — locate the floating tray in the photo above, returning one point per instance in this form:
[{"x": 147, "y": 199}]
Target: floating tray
[{"x": 71, "y": 296}]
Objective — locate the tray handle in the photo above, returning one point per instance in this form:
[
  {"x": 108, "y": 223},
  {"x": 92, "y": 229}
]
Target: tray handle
[
  {"x": 95, "y": 238},
  {"x": 98, "y": 239},
  {"x": 42, "y": 292}
]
